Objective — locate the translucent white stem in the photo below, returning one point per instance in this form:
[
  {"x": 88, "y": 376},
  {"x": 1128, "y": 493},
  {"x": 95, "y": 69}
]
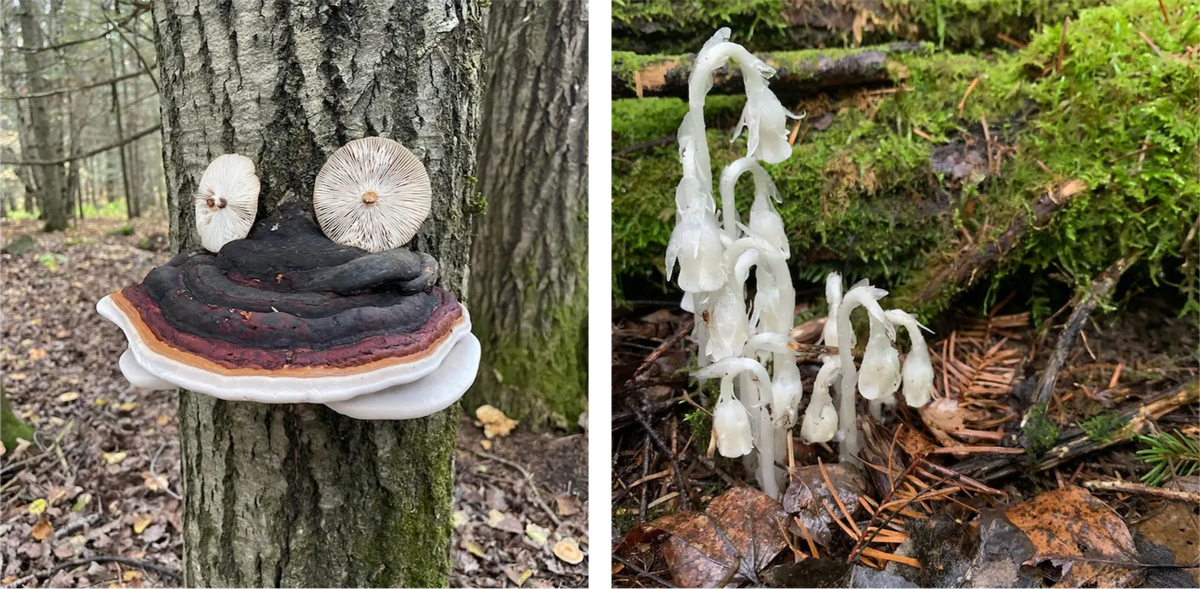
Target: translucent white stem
[{"x": 847, "y": 416}]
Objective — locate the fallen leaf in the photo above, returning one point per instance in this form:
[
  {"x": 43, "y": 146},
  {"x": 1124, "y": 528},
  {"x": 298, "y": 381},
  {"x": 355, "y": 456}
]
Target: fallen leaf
[
  {"x": 1068, "y": 525},
  {"x": 38, "y": 507},
  {"x": 62, "y": 334},
  {"x": 459, "y": 519},
  {"x": 503, "y": 521},
  {"x": 81, "y": 502},
  {"x": 567, "y": 550},
  {"x": 472, "y": 547},
  {"x": 131, "y": 576},
  {"x": 568, "y": 505},
  {"x": 140, "y": 521},
  {"x": 42, "y": 530},
  {"x": 740, "y": 530},
  {"x": 518, "y": 579},
  {"x": 808, "y": 497},
  {"x": 126, "y": 407},
  {"x": 495, "y": 422},
  {"x": 154, "y": 482},
  {"x": 1177, "y": 528},
  {"x": 115, "y": 457},
  {"x": 17, "y": 376},
  {"x": 486, "y": 444},
  {"x": 945, "y": 416},
  {"x": 162, "y": 420},
  {"x": 537, "y": 534},
  {"x": 36, "y": 354},
  {"x": 67, "y": 397}
]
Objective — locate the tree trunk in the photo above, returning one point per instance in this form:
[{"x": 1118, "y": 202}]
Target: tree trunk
[
  {"x": 530, "y": 254},
  {"x": 297, "y": 495},
  {"x": 47, "y": 135}
]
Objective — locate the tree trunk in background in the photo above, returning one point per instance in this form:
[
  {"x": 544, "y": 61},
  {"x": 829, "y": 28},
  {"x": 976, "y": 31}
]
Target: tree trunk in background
[
  {"x": 298, "y": 495},
  {"x": 46, "y": 138},
  {"x": 529, "y": 262}
]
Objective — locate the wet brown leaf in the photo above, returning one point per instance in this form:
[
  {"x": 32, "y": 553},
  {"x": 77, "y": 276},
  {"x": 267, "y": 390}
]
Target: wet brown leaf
[
  {"x": 740, "y": 531},
  {"x": 808, "y": 493},
  {"x": 1067, "y": 526},
  {"x": 42, "y": 530}
]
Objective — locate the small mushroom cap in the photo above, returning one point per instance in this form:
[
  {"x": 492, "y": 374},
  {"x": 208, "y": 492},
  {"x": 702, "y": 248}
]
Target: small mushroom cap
[
  {"x": 373, "y": 194},
  {"x": 226, "y": 201}
]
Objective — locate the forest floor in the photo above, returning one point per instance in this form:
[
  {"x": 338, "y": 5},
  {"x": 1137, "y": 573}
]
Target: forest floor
[
  {"x": 990, "y": 513},
  {"x": 95, "y": 500}
]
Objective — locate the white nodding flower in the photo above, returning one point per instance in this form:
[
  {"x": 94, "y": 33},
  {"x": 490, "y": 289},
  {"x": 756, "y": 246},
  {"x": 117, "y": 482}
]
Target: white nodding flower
[
  {"x": 821, "y": 419},
  {"x": 786, "y": 390},
  {"x": 696, "y": 244},
  {"x": 727, "y": 326},
  {"x": 918, "y": 371},
  {"x": 226, "y": 201},
  {"x": 880, "y": 374},
  {"x": 763, "y": 117},
  {"x": 372, "y": 193},
  {"x": 833, "y": 296},
  {"x": 868, "y": 297},
  {"x": 732, "y": 424}
]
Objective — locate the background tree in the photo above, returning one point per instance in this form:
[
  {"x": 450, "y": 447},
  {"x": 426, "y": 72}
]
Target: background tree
[
  {"x": 529, "y": 262},
  {"x": 299, "y": 495},
  {"x": 46, "y": 130}
]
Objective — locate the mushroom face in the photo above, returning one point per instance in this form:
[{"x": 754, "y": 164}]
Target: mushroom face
[
  {"x": 287, "y": 316},
  {"x": 226, "y": 201},
  {"x": 373, "y": 194}
]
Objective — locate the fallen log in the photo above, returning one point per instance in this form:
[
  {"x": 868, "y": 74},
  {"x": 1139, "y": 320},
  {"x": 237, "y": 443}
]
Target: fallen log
[{"x": 796, "y": 72}]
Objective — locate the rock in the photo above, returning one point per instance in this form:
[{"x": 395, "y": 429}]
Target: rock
[{"x": 21, "y": 244}]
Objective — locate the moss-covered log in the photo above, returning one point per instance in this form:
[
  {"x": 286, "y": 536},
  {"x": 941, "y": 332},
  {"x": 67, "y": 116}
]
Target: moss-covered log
[
  {"x": 298, "y": 495},
  {"x": 675, "y": 26},
  {"x": 905, "y": 188},
  {"x": 796, "y": 72}
]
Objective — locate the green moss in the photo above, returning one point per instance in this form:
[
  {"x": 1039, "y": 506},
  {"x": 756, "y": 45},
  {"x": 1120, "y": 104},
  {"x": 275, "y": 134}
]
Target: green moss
[
  {"x": 1101, "y": 427},
  {"x": 1039, "y": 431},
  {"x": 11, "y": 428},
  {"x": 700, "y": 424},
  {"x": 861, "y": 196}
]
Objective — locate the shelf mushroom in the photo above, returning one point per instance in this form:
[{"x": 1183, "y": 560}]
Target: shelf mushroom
[{"x": 288, "y": 316}]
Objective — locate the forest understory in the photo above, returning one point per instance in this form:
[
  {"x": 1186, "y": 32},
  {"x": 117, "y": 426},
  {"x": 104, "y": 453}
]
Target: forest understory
[{"x": 94, "y": 499}]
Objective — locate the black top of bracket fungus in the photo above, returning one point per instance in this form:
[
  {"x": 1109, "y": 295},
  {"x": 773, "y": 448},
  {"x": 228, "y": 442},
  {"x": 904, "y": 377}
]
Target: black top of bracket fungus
[{"x": 287, "y": 298}]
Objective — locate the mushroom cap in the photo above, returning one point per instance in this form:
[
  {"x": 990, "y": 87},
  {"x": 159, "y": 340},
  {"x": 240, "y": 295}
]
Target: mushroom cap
[
  {"x": 373, "y": 194},
  {"x": 286, "y": 316},
  {"x": 226, "y": 201}
]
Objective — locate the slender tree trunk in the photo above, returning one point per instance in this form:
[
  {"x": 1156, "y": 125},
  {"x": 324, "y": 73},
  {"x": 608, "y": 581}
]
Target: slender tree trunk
[
  {"x": 47, "y": 134},
  {"x": 530, "y": 256},
  {"x": 297, "y": 495},
  {"x": 130, "y": 208}
]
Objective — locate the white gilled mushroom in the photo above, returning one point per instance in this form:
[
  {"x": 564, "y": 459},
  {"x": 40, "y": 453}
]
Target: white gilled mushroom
[
  {"x": 918, "y": 372},
  {"x": 373, "y": 193},
  {"x": 226, "y": 201}
]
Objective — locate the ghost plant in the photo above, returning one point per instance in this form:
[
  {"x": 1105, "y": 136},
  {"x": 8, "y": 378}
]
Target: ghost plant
[{"x": 748, "y": 346}]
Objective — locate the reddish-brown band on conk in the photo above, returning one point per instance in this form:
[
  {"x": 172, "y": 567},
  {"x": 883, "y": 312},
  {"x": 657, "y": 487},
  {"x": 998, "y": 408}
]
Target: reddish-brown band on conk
[{"x": 223, "y": 357}]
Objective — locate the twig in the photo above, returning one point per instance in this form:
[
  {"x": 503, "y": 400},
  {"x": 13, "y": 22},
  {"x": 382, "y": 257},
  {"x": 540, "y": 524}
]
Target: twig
[
  {"x": 680, "y": 480},
  {"x": 1084, "y": 304},
  {"x": 142, "y": 564},
  {"x": 643, "y": 572},
  {"x": 153, "y": 473},
  {"x": 537, "y": 495},
  {"x": 963, "y": 102},
  {"x": 1062, "y": 41},
  {"x": 1140, "y": 489}
]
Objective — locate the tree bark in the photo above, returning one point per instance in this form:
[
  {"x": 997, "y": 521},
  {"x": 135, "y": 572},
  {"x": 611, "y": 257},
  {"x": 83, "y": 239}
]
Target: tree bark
[
  {"x": 47, "y": 134},
  {"x": 297, "y": 495},
  {"x": 530, "y": 253}
]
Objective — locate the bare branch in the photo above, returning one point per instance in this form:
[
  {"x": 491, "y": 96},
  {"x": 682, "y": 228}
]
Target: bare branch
[
  {"x": 81, "y": 156},
  {"x": 78, "y": 89}
]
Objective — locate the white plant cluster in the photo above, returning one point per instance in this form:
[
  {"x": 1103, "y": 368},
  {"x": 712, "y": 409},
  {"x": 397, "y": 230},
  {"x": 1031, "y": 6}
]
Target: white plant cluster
[{"x": 748, "y": 347}]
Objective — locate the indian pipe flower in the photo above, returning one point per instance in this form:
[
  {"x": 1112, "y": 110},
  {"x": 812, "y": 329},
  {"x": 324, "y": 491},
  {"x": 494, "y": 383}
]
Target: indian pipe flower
[
  {"x": 288, "y": 316},
  {"x": 732, "y": 424},
  {"x": 880, "y": 373},
  {"x": 373, "y": 194},
  {"x": 226, "y": 201},
  {"x": 821, "y": 418},
  {"x": 918, "y": 371},
  {"x": 867, "y": 296}
]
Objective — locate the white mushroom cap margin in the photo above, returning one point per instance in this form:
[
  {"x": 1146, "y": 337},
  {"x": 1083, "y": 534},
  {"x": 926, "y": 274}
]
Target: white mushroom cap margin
[
  {"x": 401, "y": 391},
  {"x": 373, "y": 194},
  {"x": 226, "y": 201}
]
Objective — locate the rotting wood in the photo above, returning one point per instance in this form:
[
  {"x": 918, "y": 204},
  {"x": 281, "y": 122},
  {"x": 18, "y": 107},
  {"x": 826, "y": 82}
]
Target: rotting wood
[
  {"x": 796, "y": 73},
  {"x": 974, "y": 259}
]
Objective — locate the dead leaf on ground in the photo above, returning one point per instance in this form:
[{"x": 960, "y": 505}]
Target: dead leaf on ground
[
  {"x": 42, "y": 530},
  {"x": 1176, "y": 527},
  {"x": 140, "y": 521},
  {"x": 1069, "y": 525},
  {"x": 495, "y": 422},
  {"x": 568, "y": 505},
  {"x": 808, "y": 496},
  {"x": 503, "y": 521},
  {"x": 740, "y": 530},
  {"x": 945, "y": 416}
]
